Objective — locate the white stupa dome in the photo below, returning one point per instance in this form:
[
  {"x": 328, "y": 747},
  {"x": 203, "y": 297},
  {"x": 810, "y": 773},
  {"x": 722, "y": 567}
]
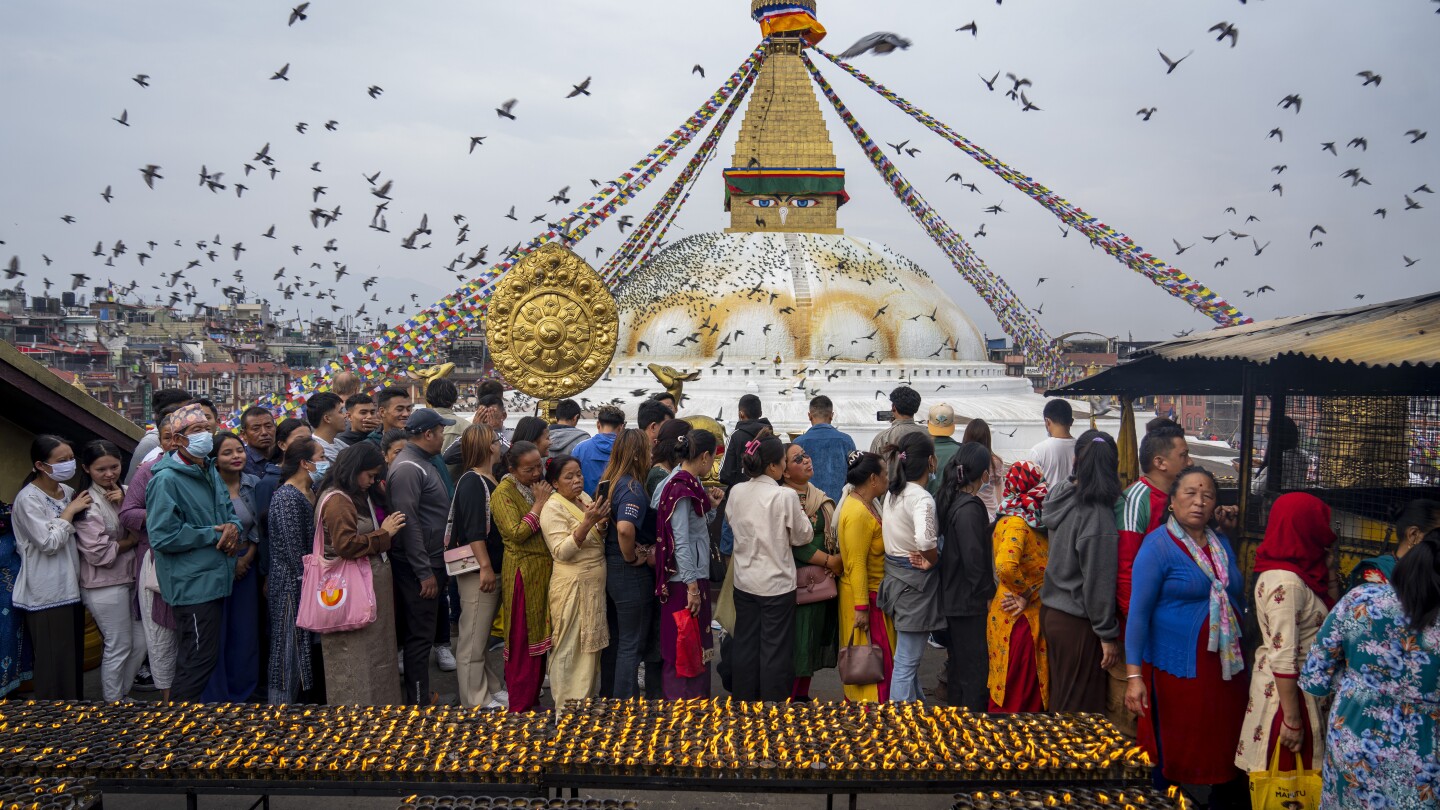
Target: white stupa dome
[
  {"x": 798, "y": 296},
  {"x": 724, "y": 306}
]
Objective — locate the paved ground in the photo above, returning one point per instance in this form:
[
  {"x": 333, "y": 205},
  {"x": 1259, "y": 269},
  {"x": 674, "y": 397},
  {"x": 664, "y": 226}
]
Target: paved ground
[{"x": 826, "y": 686}]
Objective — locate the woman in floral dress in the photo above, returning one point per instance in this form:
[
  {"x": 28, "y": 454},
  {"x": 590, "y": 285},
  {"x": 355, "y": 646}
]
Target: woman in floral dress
[{"x": 1379, "y": 654}]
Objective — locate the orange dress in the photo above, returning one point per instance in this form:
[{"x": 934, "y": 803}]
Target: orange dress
[{"x": 1020, "y": 557}]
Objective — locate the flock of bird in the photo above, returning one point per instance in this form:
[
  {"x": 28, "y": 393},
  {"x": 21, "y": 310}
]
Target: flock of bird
[
  {"x": 190, "y": 269},
  {"x": 203, "y": 269},
  {"x": 881, "y": 43}
]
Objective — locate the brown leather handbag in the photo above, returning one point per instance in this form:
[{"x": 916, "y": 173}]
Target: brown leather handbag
[
  {"x": 813, "y": 583},
  {"x": 861, "y": 664}
]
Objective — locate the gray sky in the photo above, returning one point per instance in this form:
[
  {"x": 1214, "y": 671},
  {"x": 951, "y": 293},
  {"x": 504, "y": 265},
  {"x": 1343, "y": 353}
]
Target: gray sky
[{"x": 445, "y": 65}]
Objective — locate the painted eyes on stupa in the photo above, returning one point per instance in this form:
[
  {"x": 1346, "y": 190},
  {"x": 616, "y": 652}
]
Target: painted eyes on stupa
[{"x": 772, "y": 202}]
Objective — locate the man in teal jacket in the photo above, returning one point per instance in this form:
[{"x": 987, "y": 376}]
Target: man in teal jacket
[{"x": 193, "y": 532}]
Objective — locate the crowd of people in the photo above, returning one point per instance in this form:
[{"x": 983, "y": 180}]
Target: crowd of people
[{"x": 612, "y": 565}]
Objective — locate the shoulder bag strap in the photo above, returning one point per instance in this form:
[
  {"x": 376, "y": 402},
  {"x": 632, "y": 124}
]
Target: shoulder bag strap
[{"x": 319, "y": 546}]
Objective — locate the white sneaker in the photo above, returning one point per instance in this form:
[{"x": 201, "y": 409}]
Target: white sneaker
[
  {"x": 495, "y": 704},
  {"x": 402, "y": 662},
  {"x": 502, "y": 696},
  {"x": 445, "y": 657},
  {"x": 933, "y": 643}
]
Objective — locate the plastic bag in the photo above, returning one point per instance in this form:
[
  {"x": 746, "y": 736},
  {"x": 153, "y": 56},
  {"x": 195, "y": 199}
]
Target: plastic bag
[
  {"x": 1284, "y": 790},
  {"x": 689, "y": 660}
]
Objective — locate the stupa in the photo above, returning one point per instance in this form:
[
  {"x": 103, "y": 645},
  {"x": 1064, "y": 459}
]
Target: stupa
[{"x": 786, "y": 305}]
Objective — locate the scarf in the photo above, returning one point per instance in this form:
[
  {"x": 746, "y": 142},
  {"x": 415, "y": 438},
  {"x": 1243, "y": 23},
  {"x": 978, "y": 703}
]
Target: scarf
[
  {"x": 1224, "y": 625},
  {"x": 815, "y": 502},
  {"x": 1297, "y": 537},
  {"x": 681, "y": 485},
  {"x": 107, "y": 513},
  {"x": 1025, "y": 492},
  {"x": 524, "y": 490}
]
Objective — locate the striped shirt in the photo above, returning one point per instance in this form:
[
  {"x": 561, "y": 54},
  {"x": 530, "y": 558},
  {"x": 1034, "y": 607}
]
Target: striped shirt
[{"x": 1140, "y": 511}]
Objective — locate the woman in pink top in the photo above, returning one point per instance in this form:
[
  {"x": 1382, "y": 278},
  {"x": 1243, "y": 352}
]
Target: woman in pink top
[{"x": 107, "y": 570}]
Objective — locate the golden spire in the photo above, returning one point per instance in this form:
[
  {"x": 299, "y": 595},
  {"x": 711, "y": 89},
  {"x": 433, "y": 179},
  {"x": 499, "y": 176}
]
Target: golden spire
[{"x": 783, "y": 176}]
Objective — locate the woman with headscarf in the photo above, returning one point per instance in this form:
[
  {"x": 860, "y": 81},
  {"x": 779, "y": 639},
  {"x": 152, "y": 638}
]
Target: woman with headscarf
[
  {"x": 1295, "y": 587},
  {"x": 1019, "y": 673}
]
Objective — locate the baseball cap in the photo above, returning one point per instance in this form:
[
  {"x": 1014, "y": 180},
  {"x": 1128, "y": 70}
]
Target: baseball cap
[
  {"x": 941, "y": 421},
  {"x": 423, "y": 419}
]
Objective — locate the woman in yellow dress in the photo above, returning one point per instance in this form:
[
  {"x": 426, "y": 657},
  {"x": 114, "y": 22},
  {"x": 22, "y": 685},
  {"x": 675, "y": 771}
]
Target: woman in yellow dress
[
  {"x": 862, "y": 553},
  {"x": 574, "y": 531},
  {"x": 1019, "y": 677}
]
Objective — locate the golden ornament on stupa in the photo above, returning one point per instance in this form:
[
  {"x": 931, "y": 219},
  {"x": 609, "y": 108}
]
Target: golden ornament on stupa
[{"x": 552, "y": 324}]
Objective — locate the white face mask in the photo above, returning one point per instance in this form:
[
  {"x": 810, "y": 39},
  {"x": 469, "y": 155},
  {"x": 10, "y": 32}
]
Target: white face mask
[{"x": 63, "y": 471}]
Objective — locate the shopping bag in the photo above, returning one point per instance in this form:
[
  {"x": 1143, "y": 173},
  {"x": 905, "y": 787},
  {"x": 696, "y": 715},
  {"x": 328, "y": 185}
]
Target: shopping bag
[
  {"x": 1284, "y": 790},
  {"x": 335, "y": 595},
  {"x": 725, "y": 604},
  {"x": 861, "y": 664},
  {"x": 689, "y": 660}
]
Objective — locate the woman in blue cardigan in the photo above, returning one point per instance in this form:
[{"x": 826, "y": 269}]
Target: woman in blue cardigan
[{"x": 1182, "y": 645}]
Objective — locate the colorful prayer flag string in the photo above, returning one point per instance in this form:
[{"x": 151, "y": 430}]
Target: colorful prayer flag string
[
  {"x": 1122, "y": 247},
  {"x": 629, "y": 256},
  {"x": 463, "y": 310},
  {"x": 1014, "y": 317}
]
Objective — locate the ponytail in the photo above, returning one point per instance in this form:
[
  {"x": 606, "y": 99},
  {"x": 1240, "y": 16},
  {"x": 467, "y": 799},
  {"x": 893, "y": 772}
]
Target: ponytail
[
  {"x": 907, "y": 460},
  {"x": 760, "y": 452},
  {"x": 40, "y": 450},
  {"x": 1417, "y": 582},
  {"x": 693, "y": 444},
  {"x": 1097, "y": 469}
]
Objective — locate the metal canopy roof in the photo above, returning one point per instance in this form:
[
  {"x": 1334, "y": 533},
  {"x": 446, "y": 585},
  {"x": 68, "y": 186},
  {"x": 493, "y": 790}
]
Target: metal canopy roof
[
  {"x": 1394, "y": 333},
  {"x": 1387, "y": 348}
]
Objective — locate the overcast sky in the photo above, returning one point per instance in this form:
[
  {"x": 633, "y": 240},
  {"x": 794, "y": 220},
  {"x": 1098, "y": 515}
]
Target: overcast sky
[{"x": 445, "y": 65}]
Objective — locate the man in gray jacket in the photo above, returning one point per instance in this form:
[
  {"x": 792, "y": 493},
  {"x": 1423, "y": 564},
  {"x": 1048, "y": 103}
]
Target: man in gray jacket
[
  {"x": 418, "y": 553},
  {"x": 564, "y": 435}
]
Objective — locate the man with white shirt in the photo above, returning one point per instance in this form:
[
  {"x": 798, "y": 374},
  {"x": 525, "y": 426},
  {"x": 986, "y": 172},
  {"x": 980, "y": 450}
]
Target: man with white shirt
[
  {"x": 1055, "y": 456},
  {"x": 325, "y": 412}
]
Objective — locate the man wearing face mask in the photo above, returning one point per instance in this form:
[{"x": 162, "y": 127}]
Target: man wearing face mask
[{"x": 193, "y": 533}]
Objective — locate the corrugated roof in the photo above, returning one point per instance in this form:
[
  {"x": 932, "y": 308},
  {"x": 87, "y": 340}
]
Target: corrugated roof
[{"x": 1392, "y": 334}]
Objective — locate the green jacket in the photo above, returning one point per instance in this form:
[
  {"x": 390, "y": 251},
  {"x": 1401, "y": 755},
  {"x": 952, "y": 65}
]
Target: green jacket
[
  {"x": 945, "y": 449},
  {"x": 183, "y": 505}
]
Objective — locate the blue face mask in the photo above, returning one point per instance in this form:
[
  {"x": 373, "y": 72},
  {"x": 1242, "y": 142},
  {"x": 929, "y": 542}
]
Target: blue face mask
[
  {"x": 321, "y": 467},
  {"x": 199, "y": 445}
]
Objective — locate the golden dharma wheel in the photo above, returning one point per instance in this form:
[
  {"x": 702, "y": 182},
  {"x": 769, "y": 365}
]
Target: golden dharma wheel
[{"x": 552, "y": 324}]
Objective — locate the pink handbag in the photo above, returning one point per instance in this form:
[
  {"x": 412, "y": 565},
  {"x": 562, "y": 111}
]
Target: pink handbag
[
  {"x": 813, "y": 583},
  {"x": 335, "y": 595}
]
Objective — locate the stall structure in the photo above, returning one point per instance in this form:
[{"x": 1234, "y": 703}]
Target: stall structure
[{"x": 1344, "y": 405}]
